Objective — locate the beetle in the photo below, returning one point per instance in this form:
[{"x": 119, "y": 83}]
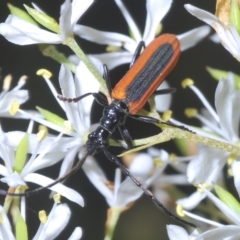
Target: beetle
[{"x": 147, "y": 71}]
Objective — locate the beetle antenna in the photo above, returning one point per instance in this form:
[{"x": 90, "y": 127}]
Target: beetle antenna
[
  {"x": 40, "y": 189},
  {"x": 145, "y": 191}
]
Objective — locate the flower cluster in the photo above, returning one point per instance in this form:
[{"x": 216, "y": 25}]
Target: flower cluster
[{"x": 59, "y": 142}]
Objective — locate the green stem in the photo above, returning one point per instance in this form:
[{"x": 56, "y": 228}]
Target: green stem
[
  {"x": 112, "y": 223},
  {"x": 51, "y": 51},
  {"x": 78, "y": 51},
  {"x": 7, "y": 203},
  {"x": 171, "y": 133}
]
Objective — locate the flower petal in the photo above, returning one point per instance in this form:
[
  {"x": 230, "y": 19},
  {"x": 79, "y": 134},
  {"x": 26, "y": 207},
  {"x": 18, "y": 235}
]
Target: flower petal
[
  {"x": 65, "y": 20},
  {"x": 192, "y": 37},
  {"x": 177, "y": 233},
  {"x": 13, "y": 180},
  {"x": 156, "y": 10},
  {"x": 114, "y": 59},
  {"x": 12, "y": 139},
  {"x": 77, "y": 234},
  {"x": 97, "y": 178},
  {"x": 68, "y": 160},
  {"x": 48, "y": 160},
  {"x": 78, "y": 9},
  {"x": 67, "y": 85},
  {"x": 141, "y": 165},
  {"x": 226, "y": 232},
  {"x": 227, "y": 34},
  {"x": 127, "y": 193},
  {"x": 131, "y": 24},
  {"x": 57, "y": 221},
  {"x": 7, "y": 154},
  {"x": 228, "y": 111},
  {"x": 85, "y": 82},
  {"x": 20, "y": 96},
  {"x": 233, "y": 216},
  {"x": 163, "y": 101},
  {"x": 5, "y": 226},
  {"x": 21, "y": 32},
  {"x": 59, "y": 188},
  {"x": 3, "y": 170},
  {"x": 102, "y": 37},
  {"x": 236, "y": 175},
  {"x": 201, "y": 14},
  {"x": 191, "y": 201},
  {"x": 207, "y": 166}
]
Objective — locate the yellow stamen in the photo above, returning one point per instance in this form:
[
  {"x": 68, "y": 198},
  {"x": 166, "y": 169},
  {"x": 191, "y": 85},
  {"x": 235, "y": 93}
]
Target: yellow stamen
[
  {"x": 191, "y": 112},
  {"x": 14, "y": 108},
  {"x": 205, "y": 185},
  {"x": 57, "y": 198},
  {"x": 187, "y": 82},
  {"x": 7, "y": 82},
  {"x": 1, "y": 219},
  {"x": 112, "y": 48},
  {"x": 42, "y": 216},
  {"x": 42, "y": 133},
  {"x": 44, "y": 73},
  {"x": 85, "y": 137},
  {"x": 229, "y": 171},
  {"x": 159, "y": 29},
  {"x": 231, "y": 159},
  {"x": 23, "y": 79},
  {"x": 158, "y": 162},
  {"x": 179, "y": 210},
  {"x": 166, "y": 115},
  {"x": 172, "y": 156}
]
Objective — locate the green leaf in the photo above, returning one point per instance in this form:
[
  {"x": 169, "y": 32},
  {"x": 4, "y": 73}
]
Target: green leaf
[
  {"x": 228, "y": 199},
  {"x": 21, "y": 154},
  {"x": 217, "y": 74},
  {"x": 237, "y": 81},
  {"x": 21, "y": 227},
  {"x": 235, "y": 15},
  {"x": 20, "y": 13},
  {"x": 43, "y": 19},
  {"x": 52, "y": 52},
  {"x": 51, "y": 117}
]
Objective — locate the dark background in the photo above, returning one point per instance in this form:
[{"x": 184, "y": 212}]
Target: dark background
[{"x": 143, "y": 220}]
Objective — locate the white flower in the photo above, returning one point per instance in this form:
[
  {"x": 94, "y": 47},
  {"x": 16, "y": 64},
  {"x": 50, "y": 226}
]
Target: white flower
[
  {"x": 221, "y": 231},
  {"x": 156, "y": 10},
  {"x": 57, "y": 220},
  {"x": 77, "y": 113},
  {"x": 142, "y": 167},
  {"x": 207, "y": 166},
  {"x": 158, "y": 181},
  {"x": 227, "y": 33},
  {"x": 21, "y": 32},
  {"x": 179, "y": 233},
  {"x": 5, "y": 226},
  {"x": 227, "y": 116},
  {"x": 77, "y": 234},
  {"x": 124, "y": 192},
  {"x": 42, "y": 157},
  {"x": 7, "y": 97}
]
